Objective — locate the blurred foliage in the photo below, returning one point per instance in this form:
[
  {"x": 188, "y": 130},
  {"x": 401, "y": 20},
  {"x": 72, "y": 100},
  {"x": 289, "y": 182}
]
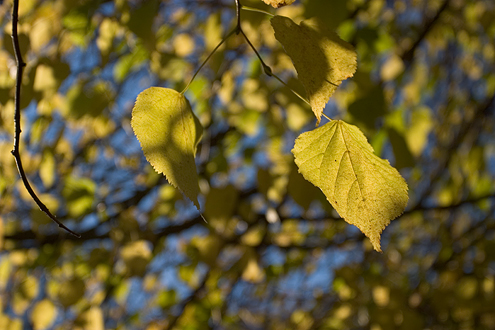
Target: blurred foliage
[{"x": 273, "y": 255}]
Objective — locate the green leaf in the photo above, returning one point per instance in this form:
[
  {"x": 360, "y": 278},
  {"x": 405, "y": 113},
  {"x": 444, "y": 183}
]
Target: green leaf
[
  {"x": 169, "y": 134},
  {"x": 79, "y": 195},
  {"x": 70, "y": 291},
  {"x": 365, "y": 190},
  {"x": 322, "y": 60}
]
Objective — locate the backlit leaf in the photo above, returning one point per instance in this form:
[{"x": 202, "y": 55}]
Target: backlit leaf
[
  {"x": 43, "y": 314},
  {"x": 365, "y": 190},
  {"x": 169, "y": 133},
  {"x": 322, "y": 60},
  {"x": 278, "y": 3}
]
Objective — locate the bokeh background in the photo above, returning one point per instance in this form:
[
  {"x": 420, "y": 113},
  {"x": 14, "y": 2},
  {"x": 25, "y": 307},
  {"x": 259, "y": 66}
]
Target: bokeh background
[{"x": 274, "y": 254}]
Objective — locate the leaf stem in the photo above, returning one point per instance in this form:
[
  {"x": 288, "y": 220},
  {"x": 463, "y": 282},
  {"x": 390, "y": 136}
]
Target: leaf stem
[
  {"x": 247, "y": 8},
  {"x": 293, "y": 91},
  {"x": 269, "y": 72},
  {"x": 323, "y": 114},
  {"x": 266, "y": 68},
  {"x": 298, "y": 95},
  {"x": 209, "y": 56},
  {"x": 17, "y": 120}
]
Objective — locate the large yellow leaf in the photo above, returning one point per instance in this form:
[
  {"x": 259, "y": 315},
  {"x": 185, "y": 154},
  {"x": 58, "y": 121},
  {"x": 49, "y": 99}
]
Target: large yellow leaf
[
  {"x": 365, "y": 190},
  {"x": 169, "y": 133},
  {"x": 322, "y": 60}
]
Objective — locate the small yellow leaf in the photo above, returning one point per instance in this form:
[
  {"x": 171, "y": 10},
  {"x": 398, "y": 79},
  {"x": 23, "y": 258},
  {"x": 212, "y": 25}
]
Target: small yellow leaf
[
  {"x": 278, "y": 3},
  {"x": 136, "y": 256},
  {"x": 365, "y": 190},
  {"x": 169, "y": 133},
  {"x": 183, "y": 45},
  {"x": 322, "y": 60}
]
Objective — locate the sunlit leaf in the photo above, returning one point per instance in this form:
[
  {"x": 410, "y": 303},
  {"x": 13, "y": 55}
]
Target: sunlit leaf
[
  {"x": 322, "y": 60},
  {"x": 418, "y": 130},
  {"x": 252, "y": 272},
  {"x": 365, "y": 190},
  {"x": 136, "y": 257},
  {"x": 169, "y": 133},
  {"x": 166, "y": 299},
  {"x": 183, "y": 45},
  {"x": 79, "y": 195},
  {"x": 94, "y": 319},
  {"x": 47, "y": 168},
  {"x": 130, "y": 62},
  {"x": 278, "y": 3},
  {"x": 43, "y": 314}
]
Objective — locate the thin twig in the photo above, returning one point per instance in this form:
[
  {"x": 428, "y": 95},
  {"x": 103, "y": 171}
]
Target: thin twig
[
  {"x": 238, "y": 7},
  {"x": 257, "y": 10},
  {"x": 17, "y": 119},
  {"x": 268, "y": 71},
  {"x": 266, "y": 68},
  {"x": 206, "y": 60}
]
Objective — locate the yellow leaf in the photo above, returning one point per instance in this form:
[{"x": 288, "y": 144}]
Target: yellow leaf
[
  {"x": 169, "y": 133},
  {"x": 278, "y": 3},
  {"x": 43, "y": 314},
  {"x": 136, "y": 256},
  {"x": 365, "y": 190},
  {"x": 94, "y": 319},
  {"x": 183, "y": 45},
  {"x": 322, "y": 60}
]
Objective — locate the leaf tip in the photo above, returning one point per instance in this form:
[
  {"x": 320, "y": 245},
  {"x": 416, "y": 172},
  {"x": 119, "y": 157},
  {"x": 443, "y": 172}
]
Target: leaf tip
[{"x": 375, "y": 240}]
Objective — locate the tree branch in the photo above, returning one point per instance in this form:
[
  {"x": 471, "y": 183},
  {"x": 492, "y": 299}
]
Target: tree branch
[
  {"x": 17, "y": 119},
  {"x": 409, "y": 53},
  {"x": 93, "y": 234}
]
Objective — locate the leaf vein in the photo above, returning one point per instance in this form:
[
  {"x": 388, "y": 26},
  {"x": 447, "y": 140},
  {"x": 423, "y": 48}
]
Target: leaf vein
[{"x": 350, "y": 160}]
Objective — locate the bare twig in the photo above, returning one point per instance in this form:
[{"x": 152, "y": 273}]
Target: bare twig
[
  {"x": 238, "y": 7},
  {"x": 17, "y": 119}
]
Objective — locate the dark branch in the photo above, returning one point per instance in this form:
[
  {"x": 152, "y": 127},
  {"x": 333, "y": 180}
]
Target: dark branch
[
  {"x": 238, "y": 7},
  {"x": 153, "y": 237},
  {"x": 407, "y": 56},
  {"x": 93, "y": 234},
  {"x": 451, "y": 206},
  {"x": 481, "y": 114},
  {"x": 17, "y": 119}
]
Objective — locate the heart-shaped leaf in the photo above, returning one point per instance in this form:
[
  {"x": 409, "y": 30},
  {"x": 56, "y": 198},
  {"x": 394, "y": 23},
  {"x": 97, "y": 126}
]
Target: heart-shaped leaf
[
  {"x": 365, "y": 190},
  {"x": 322, "y": 60},
  {"x": 169, "y": 133}
]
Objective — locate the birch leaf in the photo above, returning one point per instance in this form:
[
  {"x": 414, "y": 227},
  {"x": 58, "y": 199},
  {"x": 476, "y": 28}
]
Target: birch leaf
[
  {"x": 169, "y": 133},
  {"x": 363, "y": 188},
  {"x": 322, "y": 60}
]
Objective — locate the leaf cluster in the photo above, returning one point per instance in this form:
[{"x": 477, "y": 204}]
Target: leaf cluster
[{"x": 274, "y": 253}]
